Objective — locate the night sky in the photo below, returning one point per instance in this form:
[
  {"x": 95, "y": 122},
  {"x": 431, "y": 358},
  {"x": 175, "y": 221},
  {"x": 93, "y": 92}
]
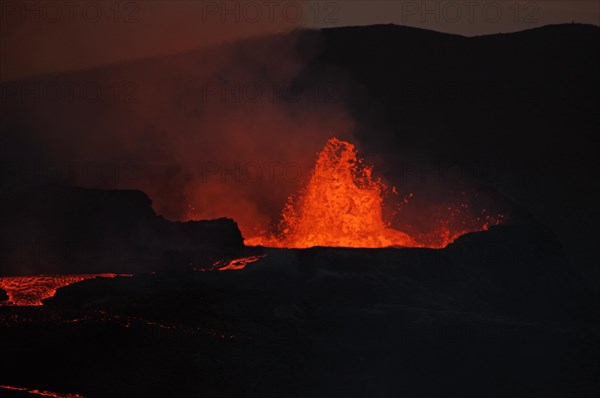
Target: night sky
[{"x": 40, "y": 37}]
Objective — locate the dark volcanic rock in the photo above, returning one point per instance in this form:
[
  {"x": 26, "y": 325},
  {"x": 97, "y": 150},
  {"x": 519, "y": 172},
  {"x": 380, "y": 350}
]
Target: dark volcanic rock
[
  {"x": 3, "y": 295},
  {"x": 331, "y": 322},
  {"x": 509, "y": 271},
  {"x": 521, "y": 271},
  {"x": 57, "y": 229}
]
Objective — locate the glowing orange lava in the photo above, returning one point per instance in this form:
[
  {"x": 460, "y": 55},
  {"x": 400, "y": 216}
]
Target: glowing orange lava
[
  {"x": 235, "y": 264},
  {"x": 31, "y": 290},
  {"x": 41, "y": 393},
  {"x": 342, "y": 206},
  {"x": 459, "y": 221}
]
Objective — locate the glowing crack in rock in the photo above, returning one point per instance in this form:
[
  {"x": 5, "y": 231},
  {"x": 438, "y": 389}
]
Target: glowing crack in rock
[
  {"x": 41, "y": 393},
  {"x": 32, "y": 290},
  {"x": 235, "y": 264}
]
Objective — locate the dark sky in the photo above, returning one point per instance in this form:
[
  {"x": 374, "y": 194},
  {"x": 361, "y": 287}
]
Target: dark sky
[{"x": 38, "y": 37}]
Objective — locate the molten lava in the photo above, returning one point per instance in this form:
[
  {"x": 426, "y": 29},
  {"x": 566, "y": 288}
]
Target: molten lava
[
  {"x": 42, "y": 393},
  {"x": 31, "y": 290},
  {"x": 342, "y": 206},
  {"x": 235, "y": 264}
]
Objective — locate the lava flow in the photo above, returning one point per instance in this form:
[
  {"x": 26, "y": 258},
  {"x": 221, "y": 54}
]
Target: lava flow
[
  {"x": 235, "y": 264},
  {"x": 41, "y": 393},
  {"x": 342, "y": 206},
  {"x": 32, "y": 290}
]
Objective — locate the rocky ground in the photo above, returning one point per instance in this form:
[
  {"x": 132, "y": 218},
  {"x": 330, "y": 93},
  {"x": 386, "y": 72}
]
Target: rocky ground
[{"x": 496, "y": 314}]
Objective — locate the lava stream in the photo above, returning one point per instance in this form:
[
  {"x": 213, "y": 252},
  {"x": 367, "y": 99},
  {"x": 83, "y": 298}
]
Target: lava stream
[
  {"x": 32, "y": 290},
  {"x": 235, "y": 264},
  {"x": 41, "y": 393}
]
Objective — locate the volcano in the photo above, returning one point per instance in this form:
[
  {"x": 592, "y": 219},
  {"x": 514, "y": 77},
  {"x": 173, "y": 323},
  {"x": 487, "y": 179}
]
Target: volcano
[{"x": 441, "y": 244}]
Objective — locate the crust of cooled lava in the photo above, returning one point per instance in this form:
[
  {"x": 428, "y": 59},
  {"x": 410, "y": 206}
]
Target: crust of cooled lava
[{"x": 327, "y": 321}]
